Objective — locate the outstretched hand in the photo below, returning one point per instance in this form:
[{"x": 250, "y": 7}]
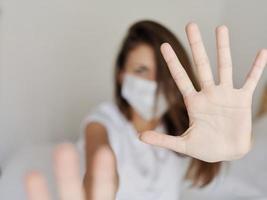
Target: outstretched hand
[
  {"x": 219, "y": 115},
  {"x": 68, "y": 180},
  {"x": 66, "y": 165}
]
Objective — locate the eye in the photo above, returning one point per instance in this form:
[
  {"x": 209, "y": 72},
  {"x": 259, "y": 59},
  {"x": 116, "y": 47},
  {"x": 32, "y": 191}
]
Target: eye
[{"x": 142, "y": 70}]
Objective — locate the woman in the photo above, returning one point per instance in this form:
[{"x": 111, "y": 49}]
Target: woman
[
  {"x": 219, "y": 121},
  {"x": 147, "y": 99}
]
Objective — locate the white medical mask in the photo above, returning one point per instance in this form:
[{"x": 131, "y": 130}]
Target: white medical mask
[{"x": 141, "y": 94}]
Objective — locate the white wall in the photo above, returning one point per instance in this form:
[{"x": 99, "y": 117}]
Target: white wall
[
  {"x": 247, "y": 21},
  {"x": 57, "y": 57}
]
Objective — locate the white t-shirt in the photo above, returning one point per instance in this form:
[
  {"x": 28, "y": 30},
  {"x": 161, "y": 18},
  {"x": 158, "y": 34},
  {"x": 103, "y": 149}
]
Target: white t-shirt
[{"x": 145, "y": 172}]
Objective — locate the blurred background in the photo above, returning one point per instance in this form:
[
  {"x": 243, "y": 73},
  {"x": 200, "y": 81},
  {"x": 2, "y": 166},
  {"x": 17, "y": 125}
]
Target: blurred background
[{"x": 56, "y": 64}]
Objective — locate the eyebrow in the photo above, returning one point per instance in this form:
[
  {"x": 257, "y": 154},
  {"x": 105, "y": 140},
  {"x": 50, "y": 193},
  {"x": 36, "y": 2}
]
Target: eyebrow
[{"x": 142, "y": 66}]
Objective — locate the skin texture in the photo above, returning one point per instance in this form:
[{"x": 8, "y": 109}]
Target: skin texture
[
  {"x": 220, "y": 124},
  {"x": 220, "y": 115}
]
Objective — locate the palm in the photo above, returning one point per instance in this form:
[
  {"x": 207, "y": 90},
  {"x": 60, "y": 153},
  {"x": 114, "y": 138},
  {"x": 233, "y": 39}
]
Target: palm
[
  {"x": 219, "y": 115},
  {"x": 220, "y": 121}
]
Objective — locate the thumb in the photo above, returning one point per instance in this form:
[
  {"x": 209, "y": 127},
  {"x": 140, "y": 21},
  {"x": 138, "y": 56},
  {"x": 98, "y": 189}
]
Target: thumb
[{"x": 175, "y": 143}]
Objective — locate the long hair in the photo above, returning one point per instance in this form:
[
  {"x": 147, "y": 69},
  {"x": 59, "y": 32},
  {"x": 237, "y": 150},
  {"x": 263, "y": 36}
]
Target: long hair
[
  {"x": 176, "y": 119},
  {"x": 263, "y": 104}
]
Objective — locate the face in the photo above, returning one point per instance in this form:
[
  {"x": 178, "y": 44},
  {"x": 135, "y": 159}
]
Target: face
[
  {"x": 140, "y": 94},
  {"x": 141, "y": 62}
]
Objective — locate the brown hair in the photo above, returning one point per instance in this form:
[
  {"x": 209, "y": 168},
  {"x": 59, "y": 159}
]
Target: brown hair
[
  {"x": 263, "y": 104},
  {"x": 176, "y": 119}
]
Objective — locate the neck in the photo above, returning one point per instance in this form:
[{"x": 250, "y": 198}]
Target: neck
[{"x": 142, "y": 125}]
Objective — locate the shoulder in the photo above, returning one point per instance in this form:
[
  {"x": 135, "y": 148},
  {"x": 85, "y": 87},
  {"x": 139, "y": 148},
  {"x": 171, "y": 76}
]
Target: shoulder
[
  {"x": 104, "y": 122},
  {"x": 95, "y": 135},
  {"x": 95, "y": 128}
]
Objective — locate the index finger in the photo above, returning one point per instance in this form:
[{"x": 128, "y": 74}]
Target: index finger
[{"x": 177, "y": 71}]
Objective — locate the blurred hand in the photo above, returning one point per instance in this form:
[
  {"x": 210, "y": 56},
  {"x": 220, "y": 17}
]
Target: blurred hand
[
  {"x": 220, "y": 115},
  {"x": 70, "y": 187},
  {"x": 66, "y": 165}
]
